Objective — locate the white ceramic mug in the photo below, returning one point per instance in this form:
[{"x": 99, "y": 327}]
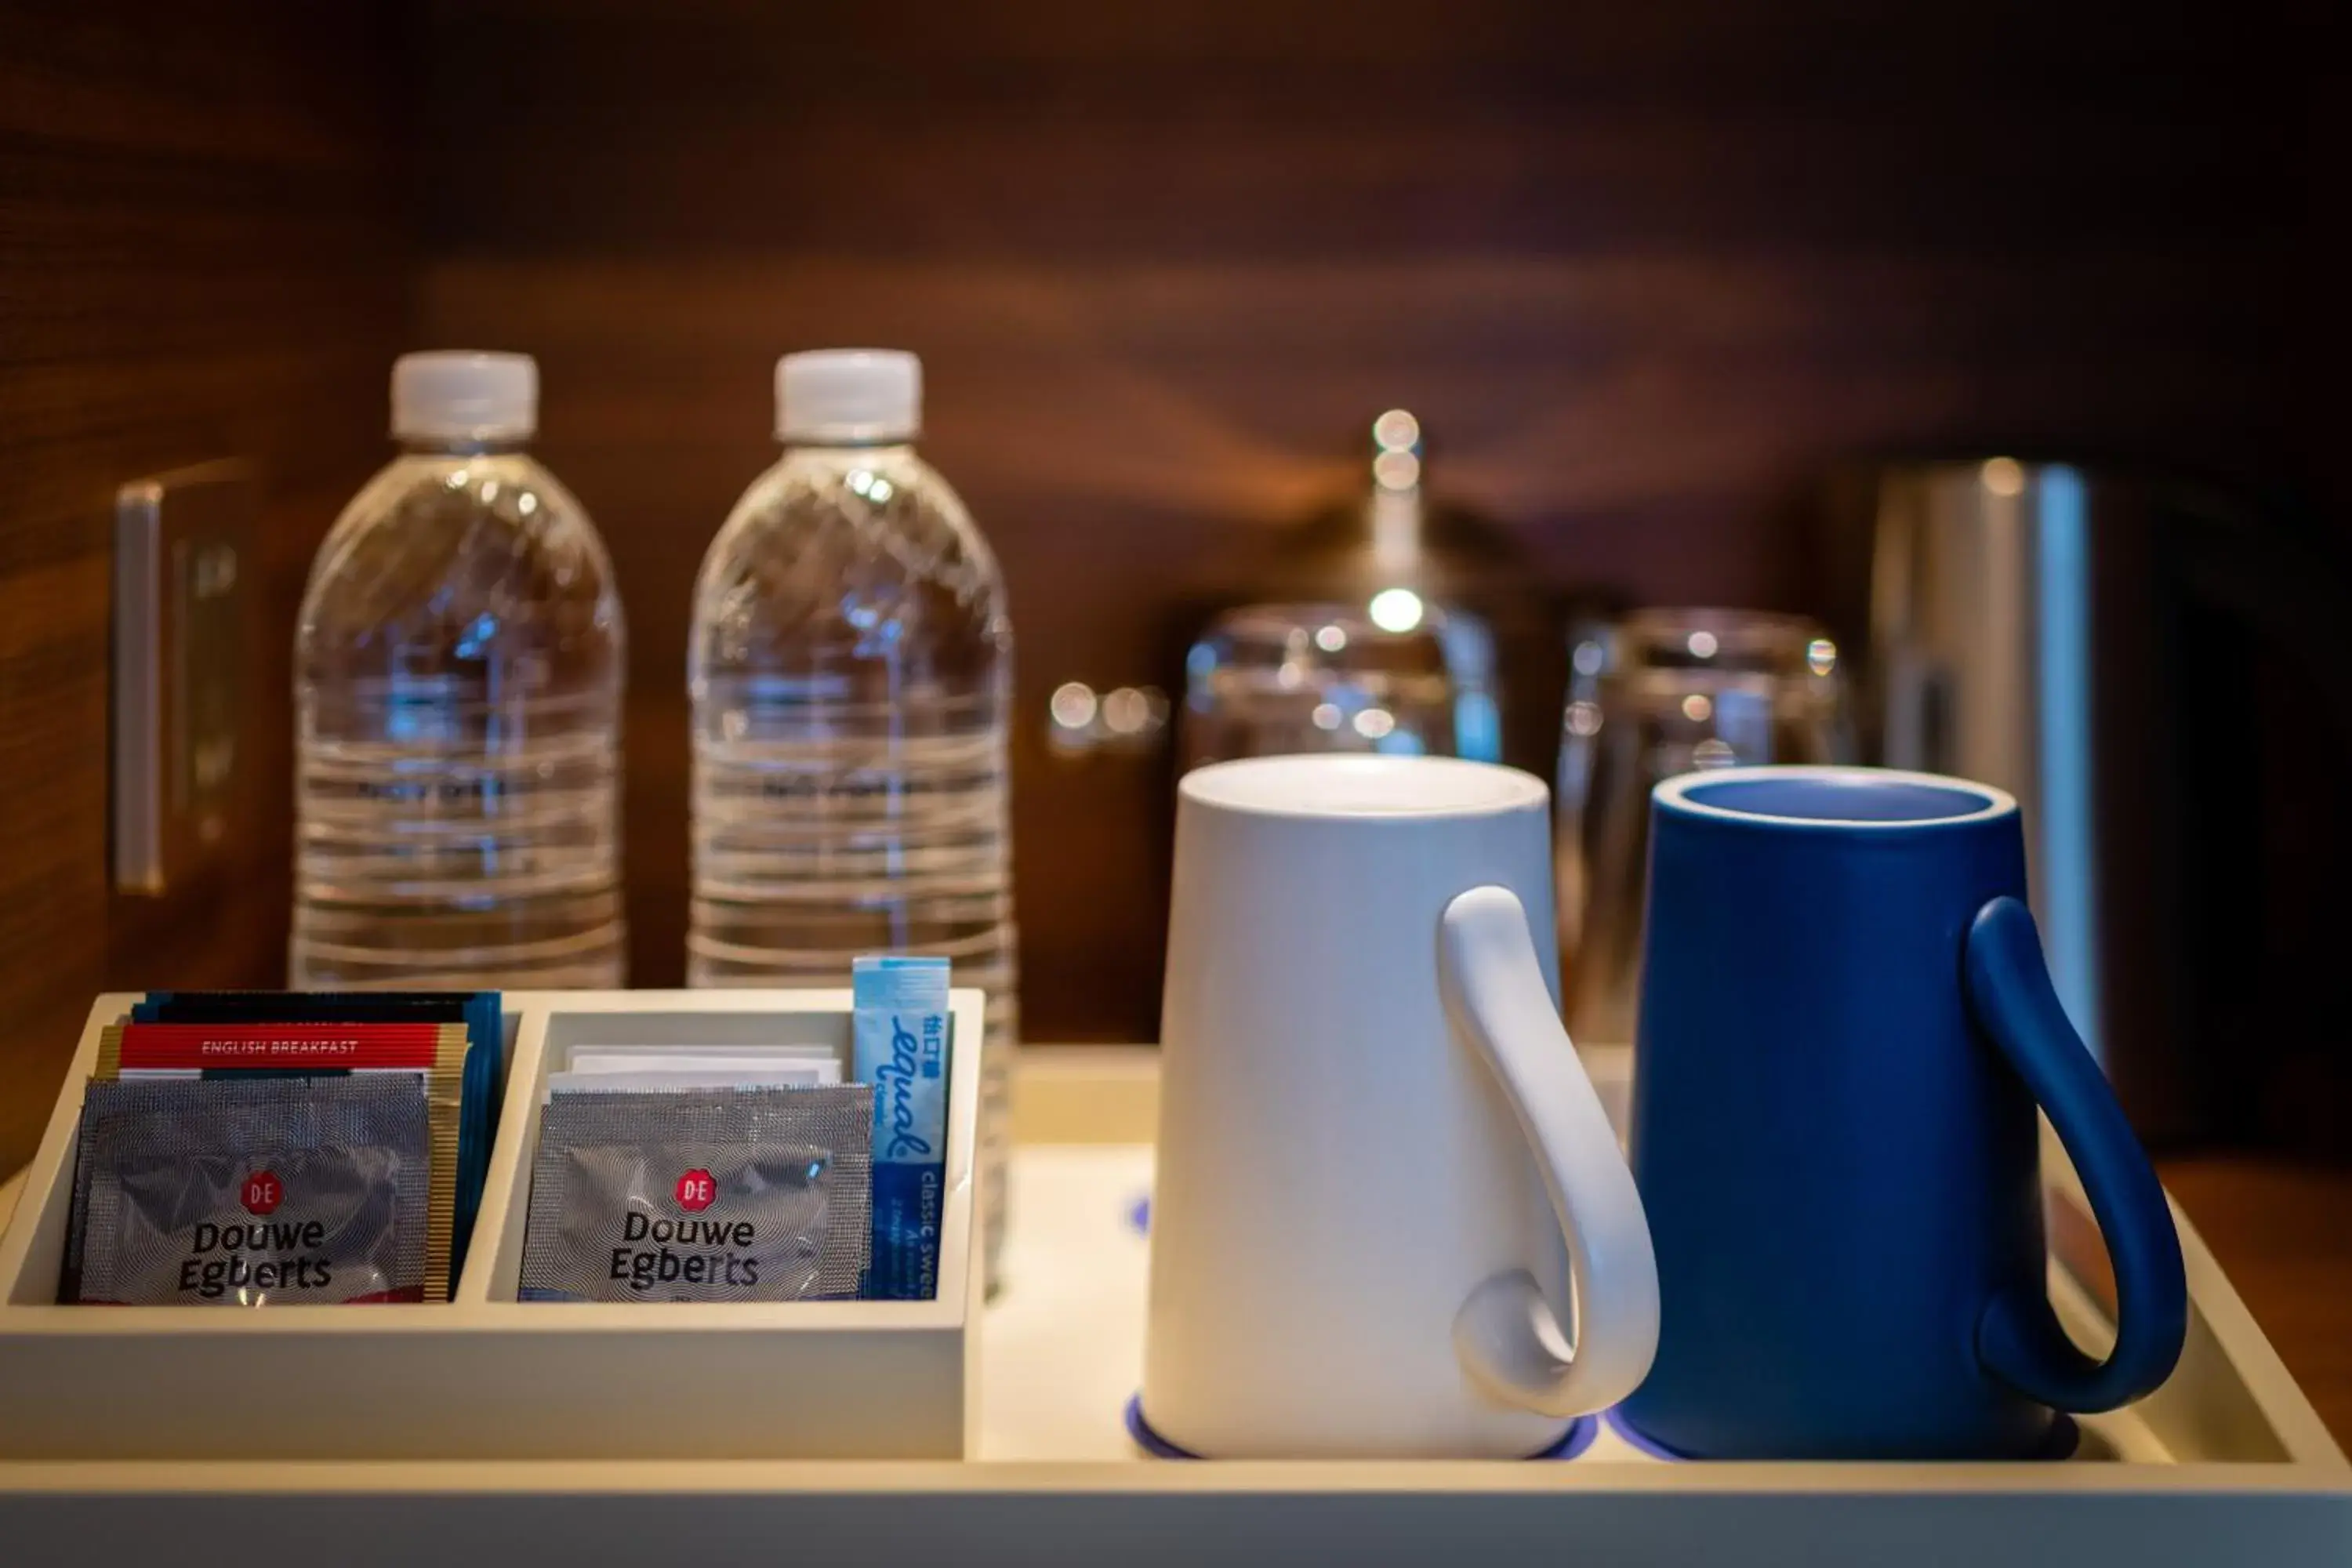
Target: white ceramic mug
[{"x": 1380, "y": 1162}]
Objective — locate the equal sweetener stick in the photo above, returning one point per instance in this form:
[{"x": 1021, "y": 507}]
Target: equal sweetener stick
[{"x": 901, "y": 1047}]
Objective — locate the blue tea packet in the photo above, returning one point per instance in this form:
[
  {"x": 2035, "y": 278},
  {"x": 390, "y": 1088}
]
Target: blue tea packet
[{"x": 900, "y": 1045}]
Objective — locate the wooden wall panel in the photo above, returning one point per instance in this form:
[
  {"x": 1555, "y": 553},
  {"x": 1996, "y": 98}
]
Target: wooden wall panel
[
  {"x": 200, "y": 256},
  {"x": 1643, "y": 271}
]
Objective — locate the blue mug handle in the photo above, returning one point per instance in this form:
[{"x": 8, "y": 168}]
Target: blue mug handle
[{"x": 2018, "y": 1337}]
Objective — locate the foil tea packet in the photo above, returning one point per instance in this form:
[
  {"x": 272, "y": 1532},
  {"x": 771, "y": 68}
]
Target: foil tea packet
[
  {"x": 481, "y": 1086},
  {"x": 254, "y": 1191},
  {"x": 428, "y": 1059},
  {"x": 754, "y": 1194}
]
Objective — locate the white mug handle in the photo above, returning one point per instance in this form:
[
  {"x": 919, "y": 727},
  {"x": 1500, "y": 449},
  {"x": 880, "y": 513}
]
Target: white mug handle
[{"x": 1495, "y": 996}]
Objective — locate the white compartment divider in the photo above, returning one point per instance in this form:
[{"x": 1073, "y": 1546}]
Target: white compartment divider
[{"x": 484, "y": 1376}]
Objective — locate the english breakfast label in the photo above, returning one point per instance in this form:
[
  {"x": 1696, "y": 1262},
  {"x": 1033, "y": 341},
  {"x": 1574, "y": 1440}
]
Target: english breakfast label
[{"x": 244, "y": 1047}]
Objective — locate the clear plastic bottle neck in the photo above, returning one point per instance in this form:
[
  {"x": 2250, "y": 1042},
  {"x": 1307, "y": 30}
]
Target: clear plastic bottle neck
[
  {"x": 462, "y": 446},
  {"x": 891, "y": 447}
]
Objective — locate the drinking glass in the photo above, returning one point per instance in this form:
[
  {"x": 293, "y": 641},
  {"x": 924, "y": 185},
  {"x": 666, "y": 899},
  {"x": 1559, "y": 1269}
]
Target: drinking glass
[
  {"x": 1273, "y": 679},
  {"x": 1659, "y": 693}
]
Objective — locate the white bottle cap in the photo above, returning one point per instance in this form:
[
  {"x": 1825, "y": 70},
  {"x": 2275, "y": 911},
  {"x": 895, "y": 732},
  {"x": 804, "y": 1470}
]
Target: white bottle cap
[
  {"x": 849, "y": 395},
  {"x": 457, "y": 396}
]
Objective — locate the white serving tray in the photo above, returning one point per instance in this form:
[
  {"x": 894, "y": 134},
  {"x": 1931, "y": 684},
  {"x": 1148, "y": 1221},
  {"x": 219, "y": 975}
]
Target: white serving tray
[
  {"x": 483, "y": 1375},
  {"x": 2226, "y": 1465}
]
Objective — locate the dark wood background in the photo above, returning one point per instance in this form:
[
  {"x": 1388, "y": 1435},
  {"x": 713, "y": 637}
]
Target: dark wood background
[
  {"x": 1642, "y": 270},
  {"x": 202, "y": 255},
  {"x": 1646, "y": 272}
]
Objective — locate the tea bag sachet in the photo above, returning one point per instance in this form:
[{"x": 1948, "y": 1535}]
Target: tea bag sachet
[
  {"x": 256, "y": 1192},
  {"x": 424, "y": 1060},
  {"x": 606, "y": 1068},
  {"x": 738, "y": 1195},
  {"x": 481, "y": 1086}
]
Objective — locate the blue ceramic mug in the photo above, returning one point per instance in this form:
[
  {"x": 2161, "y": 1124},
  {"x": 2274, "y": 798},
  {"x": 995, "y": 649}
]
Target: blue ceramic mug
[{"x": 1845, "y": 1028}]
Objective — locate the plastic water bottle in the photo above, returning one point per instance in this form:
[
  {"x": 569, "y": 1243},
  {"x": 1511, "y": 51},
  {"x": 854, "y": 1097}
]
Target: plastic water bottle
[
  {"x": 851, "y": 671},
  {"x": 457, "y": 692}
]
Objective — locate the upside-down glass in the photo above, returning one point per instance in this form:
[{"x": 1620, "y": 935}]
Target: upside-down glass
[
  {"x": 1663, "y": 692},
  {"x": 1267, "y": 680}
]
